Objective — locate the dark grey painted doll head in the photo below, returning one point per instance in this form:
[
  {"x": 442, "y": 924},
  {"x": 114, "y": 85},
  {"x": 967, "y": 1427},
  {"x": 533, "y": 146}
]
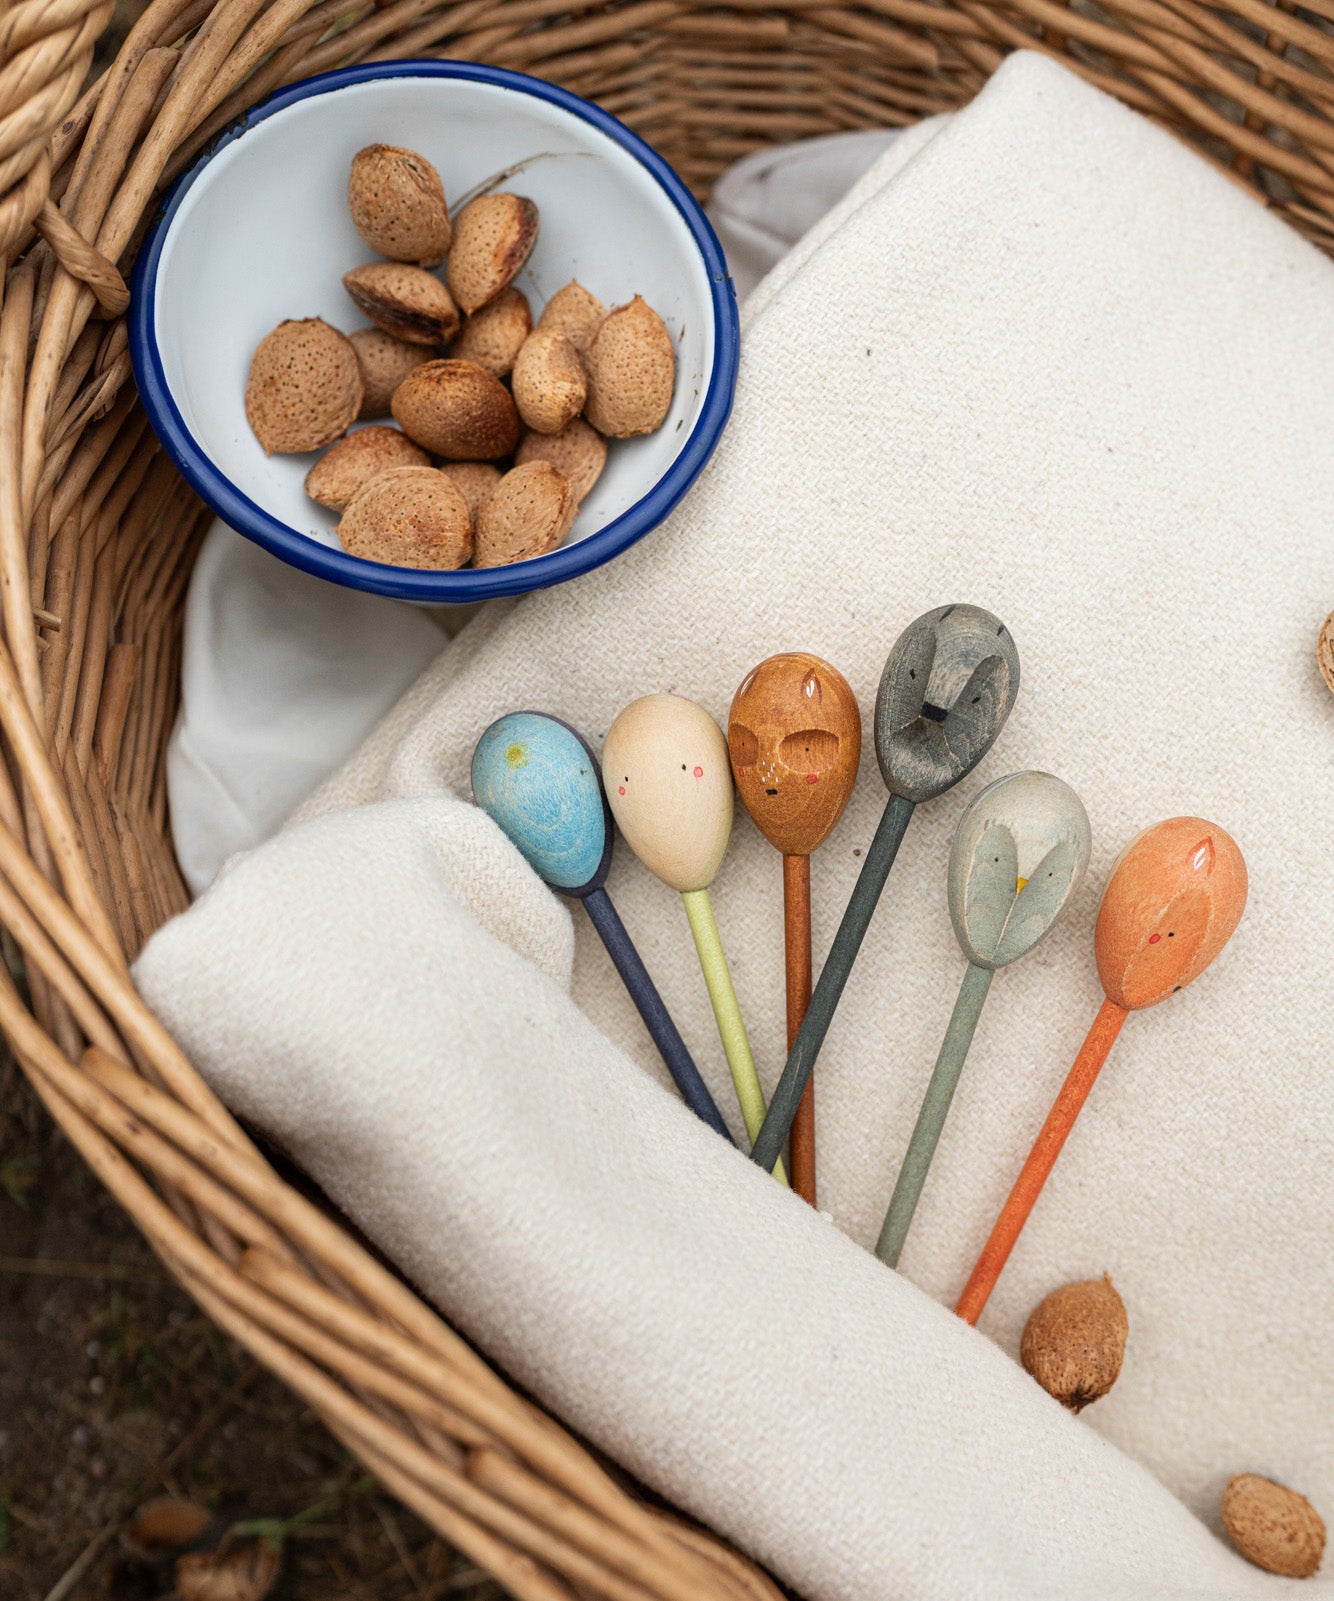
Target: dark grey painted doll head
[{"x": 946, "y": 691}]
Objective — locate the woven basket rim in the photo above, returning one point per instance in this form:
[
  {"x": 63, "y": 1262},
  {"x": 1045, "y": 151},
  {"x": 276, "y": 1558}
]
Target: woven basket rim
[{"x": 98, "y": 532}]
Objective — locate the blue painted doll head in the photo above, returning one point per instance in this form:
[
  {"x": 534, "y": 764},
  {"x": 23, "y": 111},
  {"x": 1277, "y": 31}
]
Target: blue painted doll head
[{"x": 536, "y": 778}]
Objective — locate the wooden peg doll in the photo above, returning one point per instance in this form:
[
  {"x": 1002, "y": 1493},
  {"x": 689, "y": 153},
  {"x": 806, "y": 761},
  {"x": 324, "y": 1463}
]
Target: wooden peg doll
[{"x": 794, "y": 735}]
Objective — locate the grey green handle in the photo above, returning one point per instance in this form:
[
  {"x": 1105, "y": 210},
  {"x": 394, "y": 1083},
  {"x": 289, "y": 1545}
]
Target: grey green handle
[{"x": 935, "y": 1109}]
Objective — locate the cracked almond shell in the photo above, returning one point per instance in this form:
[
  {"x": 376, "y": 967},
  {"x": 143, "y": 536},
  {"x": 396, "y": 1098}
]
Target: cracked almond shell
[
  {"x": 406, "y": 302},
  {"x": 339, "y": 473},
  {"x": 493, "y": 237},
  {"x": 408, "y": 517},
  {"x": 304, "y": 388},
  {"x": 1273, "y": 1527},
  {"x": 578, "y": 450},
  {"x": 474, "y": 480},
  {"x": 494, "y": 336},
  {"x": 456, "y": 409},
  {"x": 549, "y": 383},
  {"x": 398, "y": 204},
  {"x": 631, "y": 366},
  {"x": 1075, "y": 1340},
  {"x": 574, "y": 312},
  {"x": 528, "y": 513},
  {"x": 385, "y": 362}
]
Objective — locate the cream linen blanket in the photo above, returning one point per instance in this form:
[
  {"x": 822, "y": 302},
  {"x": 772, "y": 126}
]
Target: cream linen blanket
[{"x": 1042, "y": 359}]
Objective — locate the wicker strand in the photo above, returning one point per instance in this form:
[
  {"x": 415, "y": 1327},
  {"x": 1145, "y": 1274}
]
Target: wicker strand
[{"x": 97, "y": 537}]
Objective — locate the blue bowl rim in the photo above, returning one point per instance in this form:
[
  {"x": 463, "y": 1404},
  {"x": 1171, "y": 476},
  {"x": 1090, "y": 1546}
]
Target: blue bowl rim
[{"x": 427, "y": 585}]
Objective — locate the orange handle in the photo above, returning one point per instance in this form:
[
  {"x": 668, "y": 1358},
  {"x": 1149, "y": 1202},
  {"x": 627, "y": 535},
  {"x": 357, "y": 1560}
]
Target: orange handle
[
  {"x": 797, "y": 948},
  {"x": 1041, "y": 1160}
]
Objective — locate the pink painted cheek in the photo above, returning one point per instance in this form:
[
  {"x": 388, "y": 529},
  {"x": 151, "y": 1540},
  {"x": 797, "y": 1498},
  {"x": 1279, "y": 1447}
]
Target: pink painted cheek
[
  {"x": 1154, "y": 938},
  {"x": 620, "y": 789},
  {"x": 699, "y": 772},
  {"x": 812, "y": 778}
]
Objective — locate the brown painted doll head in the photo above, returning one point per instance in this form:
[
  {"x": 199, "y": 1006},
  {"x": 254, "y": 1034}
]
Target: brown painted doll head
[{"x": 794, "y": 735}]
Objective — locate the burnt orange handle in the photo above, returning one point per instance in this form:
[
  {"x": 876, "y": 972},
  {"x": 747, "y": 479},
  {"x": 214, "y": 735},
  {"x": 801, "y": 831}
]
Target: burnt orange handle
[
  {"x": 797, "y": 948},
  {"x": 1041, "y": 1160}
]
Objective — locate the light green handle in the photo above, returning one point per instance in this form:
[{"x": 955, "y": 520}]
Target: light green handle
[
  {"x": 732, "y": 1030},
  {"x": 935, "y": 1107}
]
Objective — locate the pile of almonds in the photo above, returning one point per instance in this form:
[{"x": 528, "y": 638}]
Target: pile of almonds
[{"x": 502, "y": 424}]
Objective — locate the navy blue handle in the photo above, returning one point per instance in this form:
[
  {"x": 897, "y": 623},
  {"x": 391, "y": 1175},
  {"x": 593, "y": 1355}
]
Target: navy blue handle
[{"x": 657, "y": 1019}]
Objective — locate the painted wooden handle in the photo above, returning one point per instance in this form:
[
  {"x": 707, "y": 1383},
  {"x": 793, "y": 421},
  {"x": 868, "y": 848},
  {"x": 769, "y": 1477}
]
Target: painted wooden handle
[
  {"x": 935, "y": 1109},
  {"x": 726, "y": 1011},
  {"x": 833, "y": 977},
  {"x": 797, "y": 953},
  {"x": 650, "y": 1005},
  {"x": 1041, "y": 1159}
]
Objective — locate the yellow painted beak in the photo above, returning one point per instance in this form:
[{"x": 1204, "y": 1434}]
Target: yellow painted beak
[{"x": 1019, "y": 884}]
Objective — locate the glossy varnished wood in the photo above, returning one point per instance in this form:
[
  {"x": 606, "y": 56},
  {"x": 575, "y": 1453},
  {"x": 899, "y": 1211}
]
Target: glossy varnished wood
[
  {"x": 797, "y": 971},
  {"x": 947, "y": 689},
  {"x": 794, "y": 735},
  {"x": 669, "y": 786},
  {"x": 1020, "y": 852},
  {"x": 538, "y": 779},
  {"x": 1174, "y": 899}
]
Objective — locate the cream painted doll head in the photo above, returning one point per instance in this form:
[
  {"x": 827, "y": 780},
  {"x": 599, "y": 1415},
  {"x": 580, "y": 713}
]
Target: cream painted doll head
[{"x": 669, "y": 784}]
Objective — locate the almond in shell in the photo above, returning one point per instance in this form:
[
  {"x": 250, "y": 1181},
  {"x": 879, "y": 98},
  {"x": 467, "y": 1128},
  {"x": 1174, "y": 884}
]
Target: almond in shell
[
  {"x": 475, "y": 480},
  {"x": 1075, "y": 1341},
  {"x": 493, "y": 237},
  {"x": 549, "y": 383},
  {"x": 408, "y": 517},
  {"x": 304, "y": 388},
  {"x": 456, "y": 409},
  {"x": 631, "y": 366},
  {"x": 527, "y": 514},
  {"x": 337, "y": 476},
  {"x": 398, "y": 204},
  {"x": 574, "y": 312},
  {"x": 493, "y": 336},
  {"x": 578, "y": 450},
  {"x": 405, "y": 301},
  {"x": 385, "y": 362},
  {"x": 1273, "y": 1526}
]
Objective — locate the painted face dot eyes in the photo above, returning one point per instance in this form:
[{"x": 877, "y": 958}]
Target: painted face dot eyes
[{"x": 976, "y": 698}]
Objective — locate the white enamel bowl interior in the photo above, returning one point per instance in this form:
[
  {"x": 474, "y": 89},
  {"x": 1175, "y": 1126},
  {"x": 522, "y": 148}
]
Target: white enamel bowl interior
[{"x": 264, "y": 234}]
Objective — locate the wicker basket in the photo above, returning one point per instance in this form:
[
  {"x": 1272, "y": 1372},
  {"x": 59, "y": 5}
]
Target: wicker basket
[{"x": 97, "y": 536}]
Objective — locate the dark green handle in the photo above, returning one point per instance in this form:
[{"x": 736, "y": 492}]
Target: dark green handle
[{"x": 834, "y": 975}]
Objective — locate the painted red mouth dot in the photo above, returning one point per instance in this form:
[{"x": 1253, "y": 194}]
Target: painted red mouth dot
[
  {"x": 812, "y": 778},
  {"x": 1154, "y": 938},
  {"x": 699, "y": 772},
  {"x": 620, "y": 789}
]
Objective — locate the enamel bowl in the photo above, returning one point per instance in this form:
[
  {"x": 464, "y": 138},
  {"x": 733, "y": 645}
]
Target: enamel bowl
[{"x": 258, "y": 231}]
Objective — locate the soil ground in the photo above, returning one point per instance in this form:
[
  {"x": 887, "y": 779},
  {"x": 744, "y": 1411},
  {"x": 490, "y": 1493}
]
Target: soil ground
[{"x": 114, "y": 1388}]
